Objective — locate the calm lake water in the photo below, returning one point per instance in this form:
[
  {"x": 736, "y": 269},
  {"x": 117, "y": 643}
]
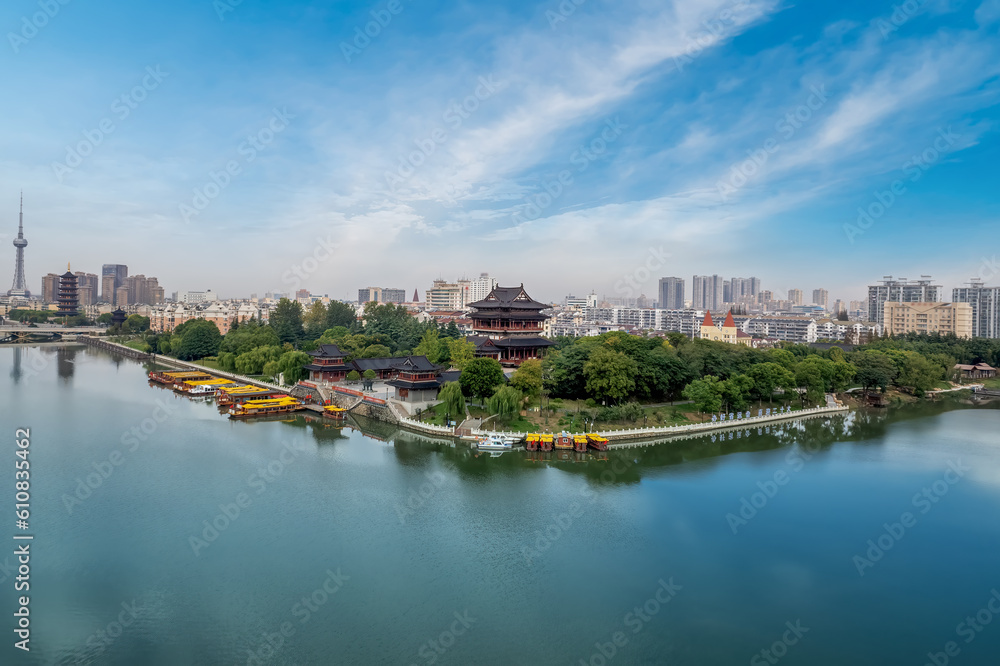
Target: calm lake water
[{"x": 376, "y": 546}]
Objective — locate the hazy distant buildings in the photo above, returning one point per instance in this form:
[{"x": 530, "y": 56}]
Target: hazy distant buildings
[
  {"x": 196, "y": 297},
  {"x": 381, "y": 295},
  {"x": 900, "y": 291},
  {"x": 445, "y": 295},
  {"x": 581, "y": 302},
  {"x": 671, "y": 294},
  {"x": 795, "y": 296},
  {"x": 943, "y": 318},
  {"x": 821, "y": 297}
]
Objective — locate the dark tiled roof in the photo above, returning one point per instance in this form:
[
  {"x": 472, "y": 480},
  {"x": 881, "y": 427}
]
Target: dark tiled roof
[
  {"x": 327, "y": 351},
  {"x": 404, "y": 363},
  {"x": 509, "y": 297},
  {"x": 450, "y": 375},
  {"x": 423, "y": 384},
  {"x": 523, "y": 342}
]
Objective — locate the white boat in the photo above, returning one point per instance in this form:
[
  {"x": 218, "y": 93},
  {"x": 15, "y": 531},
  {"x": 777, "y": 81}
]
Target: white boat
[{"x": 494, "y": 443}]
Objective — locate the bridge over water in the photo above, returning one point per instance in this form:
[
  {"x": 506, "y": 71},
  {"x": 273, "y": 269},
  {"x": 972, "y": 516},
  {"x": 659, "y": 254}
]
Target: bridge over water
[{"x": 25, "y": 333}]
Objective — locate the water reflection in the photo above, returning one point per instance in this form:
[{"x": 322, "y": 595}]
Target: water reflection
[{"x": 865, "y": 426}]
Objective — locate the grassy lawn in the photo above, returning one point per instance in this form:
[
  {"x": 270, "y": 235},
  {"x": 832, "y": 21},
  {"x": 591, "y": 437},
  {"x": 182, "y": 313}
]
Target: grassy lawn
[
  {"x": 209, "y": 362},
  {"x": 993, "y": 383},
  {"x": 138, "y": 345}
]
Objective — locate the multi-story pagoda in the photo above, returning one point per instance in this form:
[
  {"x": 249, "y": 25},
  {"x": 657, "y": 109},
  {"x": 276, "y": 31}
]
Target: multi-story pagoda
[
  {"x": 69, "y": 298},
  {"x": 507, "y": 325}
]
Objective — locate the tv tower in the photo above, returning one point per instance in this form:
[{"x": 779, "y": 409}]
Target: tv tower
[{"x": 20, "y": 288}]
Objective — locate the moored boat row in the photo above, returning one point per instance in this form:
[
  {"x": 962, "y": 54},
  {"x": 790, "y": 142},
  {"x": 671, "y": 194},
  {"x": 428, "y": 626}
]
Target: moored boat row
[{"x": 565, "y": 441}]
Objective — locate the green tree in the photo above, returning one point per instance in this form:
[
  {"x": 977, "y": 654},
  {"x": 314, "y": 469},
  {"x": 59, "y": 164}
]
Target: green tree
[
  {"x": 610, "y": 375},
  {"x": 430, "y": 346},
  {"x": 340, "y": 314},
  {"x": 253, "y": 361},
  {"x": 768, "y": 377},
  {"x": 271, "y": 369},
  {"x": 481, "y": 377},
  {"x": 292, "y": 366},
  {"x": 875, "y": 370},
  {"x": 706, "y": 394},
  {"x": 528, "y": 377},
  {"x": 736, "y": 391},
  {"x": 461, "y": 352},
  {"x": 918, "y": 373},
  {"x": 200, "y": 338},
  {"x": 136, "y": 324},
  {"x": 453, "y": 400},
  {"x": 314, "y": 320},
  {"x": 376, "y": 351},
  {"x": 369, "y": 374},
  {"x": 451, "y": 331},
  {"x": 286, "y": 320},
  {"x": 353, "y": 376},
  {"x": 505, "y": 403}
]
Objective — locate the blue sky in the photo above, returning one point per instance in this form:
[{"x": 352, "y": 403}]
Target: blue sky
[{"x": 565, "y": 146}]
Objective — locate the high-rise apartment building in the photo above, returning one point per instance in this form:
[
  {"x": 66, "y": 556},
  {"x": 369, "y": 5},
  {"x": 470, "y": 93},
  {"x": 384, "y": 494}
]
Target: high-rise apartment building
[
  {"x": 821, "y": 297},
  {"x": 707, "y": 292},
  {"x": 119, "y": 272},
  {"x": 985, "y": 304},
  {"x": 108, "y": 289},
  {"x": 795, "y": 296},
  {"x": 742, "y": 290},
  {"x": 50, "y": 288},
  {"x": 671, "y": 296},
  {"x": 900, "y": 291},
  {"x": 480, "y": 288}
]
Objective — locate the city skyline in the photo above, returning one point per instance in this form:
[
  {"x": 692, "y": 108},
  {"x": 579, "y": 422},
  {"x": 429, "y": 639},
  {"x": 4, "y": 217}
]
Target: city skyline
[{"x": 695, "y": 184}]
